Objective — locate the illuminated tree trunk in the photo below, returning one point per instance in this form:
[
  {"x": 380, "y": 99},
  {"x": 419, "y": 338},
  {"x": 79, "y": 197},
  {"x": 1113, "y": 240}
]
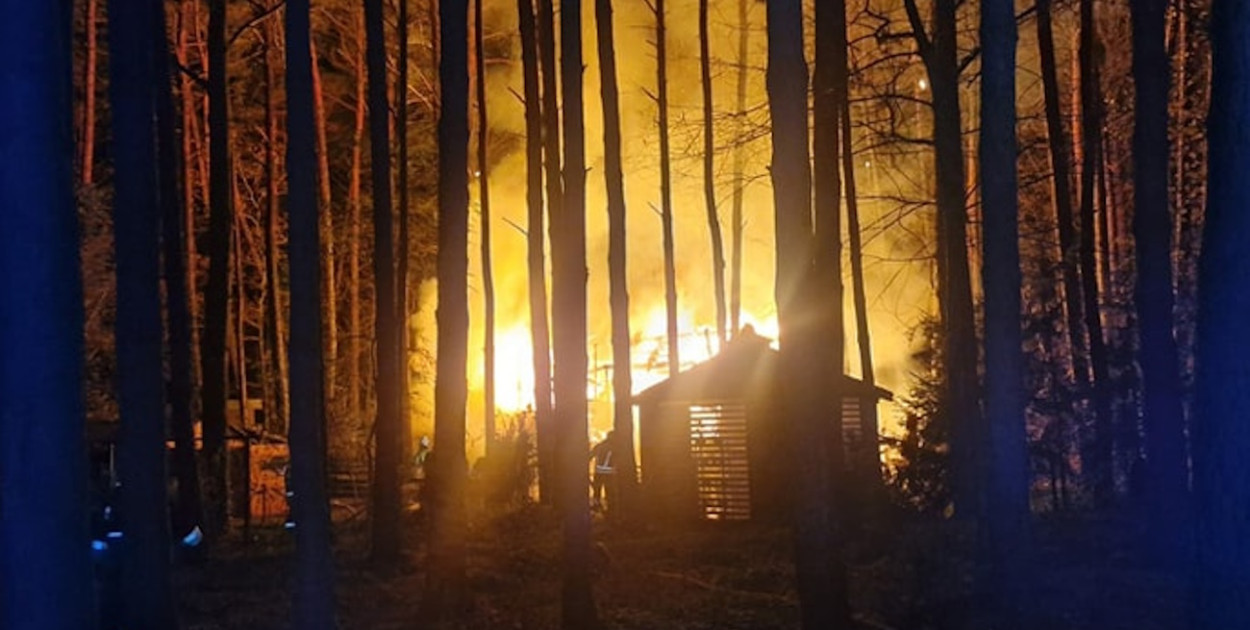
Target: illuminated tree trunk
[
  {"x": 535, "y": 232},
  {"x": 42, "y": 442},
  {"x": 447, "y": 587},
  {"x": 217, "y": 288},
  {"x": 940, "y": 56},
  {"x": 313, "y": 603},
  {"x": 618, "y": 292},
  {"x": 401, "y": 281},
  {"x": 1004, "y": 536},
  {"x": 329, "y": 287},
  {"x": 568, "y": 268},
  {"x": 740, "y": 106},
  {"x": 174, "y": 236},
  {"x": 387, "y": 434},
  {"x": 544, "y": 412},
  {"x": 87, "y": 168},
  {"x": 1166, "y": 468},
  {"x": 355, "y": 384},
  {"x": 1061, "y": 191},
  {"x": 277, "y": 315},
  {"x": 709, "y": 185},
  {"x": 1220, "y": 434},
  {"x": 147, "y": 599},
  {"x": 191, "y": 137},
  {"x": 822, "y": 598},
  {"x": 488, "y": 276},
  {"x": 1097, "y": 455},
  {"x": 666, "y": 193}
]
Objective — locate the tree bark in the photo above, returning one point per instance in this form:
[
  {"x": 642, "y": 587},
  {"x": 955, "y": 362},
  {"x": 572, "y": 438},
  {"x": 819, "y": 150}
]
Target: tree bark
[
  {"x": 543, "y": 409},
  {"x": 618, "y": 290},
  {"x": 87, "y": 168},
  {"x": 42, "y": 443},
  {"x": 1166, "y": 468},
  {"x": 447, "y": 586},
  {"x": 313, "y": 603},
  {"x": 329, "y": 286},
  {"x": 1220, "y": 437},
  {"x": 488, "y": 275},
  {"x": 277, "y": 315},
  {"x": 709, "y": 184},
  {"x": 568, "y": 268},
  {"x": 401, "y": 281},
  {"x": 217, "y": 288},
  {"x": 387, "y": 433},
  {"x": 666, "y": 193},
  {"x": 1004, "y": 537},
  {"x": 740, "y": 112},
  {"x": 355, "y": 383}
]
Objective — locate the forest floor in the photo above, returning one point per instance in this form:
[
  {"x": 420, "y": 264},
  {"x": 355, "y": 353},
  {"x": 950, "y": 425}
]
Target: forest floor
[{"x": 907, "y": 576}]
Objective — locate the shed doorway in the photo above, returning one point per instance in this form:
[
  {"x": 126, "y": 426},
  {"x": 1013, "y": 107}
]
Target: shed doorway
[{"x": 718, "y": 445}]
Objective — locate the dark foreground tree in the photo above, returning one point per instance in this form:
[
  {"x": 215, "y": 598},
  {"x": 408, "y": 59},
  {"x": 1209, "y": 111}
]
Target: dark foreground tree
[
  {"x": 568, "y": 293},
  {"x": 1166, "y": 473},
  {"x": 618, "y": 291},
  {"x": 1221, "y": 436},
  {"x": 544, "y": 416},
  {"x": 666, "y": 190},
  {"x": 822, "y": 601},
  {"x": 488, "y": 274},
  {"x": 147, "y": 599},
  {"x": 313, "y": 605},
  {"x": 709, "y": 183},
  {"x": 1005, "y": 506},
  {"x": 387, "y": 432},
  {"x": 450, "y": 472},
  {"x": 45, "y": 570}
]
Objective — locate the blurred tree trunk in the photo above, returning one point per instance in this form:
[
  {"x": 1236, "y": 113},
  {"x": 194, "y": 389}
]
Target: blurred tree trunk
[
  {"x": 709, "y": 184},
  {"x": 313, "y": 604},
  {"x": 1004, "y": 536},
  {"x": 568, "y": 287},
  {"x": 329, "y": 286},
  {"x": 42, "y": 443},
  {"x": 939, "y": 52},
  {"x": 401, "y": 282},
  {"x": 355, "y": 357},
  {"x": 739, "y": 184},
  {"x": 1221, "y": 436},
  {"x": 822, "y": 598},
  {"x": 146, "y": 595},
  {"x": 535, "y": 232},
  {"x": 1061, "y": 191},
  {"x": 1166, "y": 468},
  {"x": 614, "y": 178},
  {"x": 447, "y": 587},
  {"x": 217, "y": 289},
  {"x": 1098, "y": 452},
  {"x": 488, "y": 276},
  {"x": 177, "y": 292},
  {"x": 386, "y": 430},
  {"x": 277, "y": 315},
  {"x": 543, "y": 410},
  {"x": 191, "y": 138},
  {"x": 666, "y": 193},
  {"x": 87, "y": 168}
]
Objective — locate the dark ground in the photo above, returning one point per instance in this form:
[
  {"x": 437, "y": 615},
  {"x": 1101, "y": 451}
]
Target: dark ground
[{"x": 718, "y": 576}]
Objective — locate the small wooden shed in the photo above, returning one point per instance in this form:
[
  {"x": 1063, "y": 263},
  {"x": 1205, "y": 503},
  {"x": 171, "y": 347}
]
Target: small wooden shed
[{"x": 711, "y": 441}]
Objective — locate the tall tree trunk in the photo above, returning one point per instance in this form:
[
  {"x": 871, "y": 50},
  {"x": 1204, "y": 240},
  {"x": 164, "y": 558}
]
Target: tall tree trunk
[
  {"x": 821, "y": 605},
  {"x": 535, "y": 233},
  {"x": 1061, "y": 191},
  {"x": 1220, "y": 434},
  {"x": 739, "y": 183},
  {"x": 147, "y": 599},
  {"x": 329, "y": 286},
  {"x": 666, "y": 193},
  {"x": 568, "y": 268},
  {"x": 618, "y": 290},
  {"x": 401, "y": 280},
  {"x": 488, "y": 275},
  {"x": 387, "y": 430},
  {"x": 355, "y": 384},
  {"x": 709, "y": 184},
  {"x": 1166, "y": 472},
  {"x": 447, "y": 585},
  {"x": 217, "y": 289},
  {"x": 1097, "y": 455},
  {"x": 313, "y": 600},
  {"x": 87, "y": 167},
  {"x": 190, "y": 138},
  {"x": 940, "y": 56},
  {"x": 543, "y": 409},
  {"x": 1005, "y": 517},
  {"x": 45, "y": 579},
  {"x": 276, "y": 315},
  {"x": 173, "y": 238},
  {"x": 824, "y": 290}
]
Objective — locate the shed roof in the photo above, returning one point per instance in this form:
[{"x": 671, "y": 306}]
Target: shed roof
[{"x": 744, "y": 369}]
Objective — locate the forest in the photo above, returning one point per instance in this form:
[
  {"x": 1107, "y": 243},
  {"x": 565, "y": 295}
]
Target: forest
[{"x": 625, "y": 314}]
